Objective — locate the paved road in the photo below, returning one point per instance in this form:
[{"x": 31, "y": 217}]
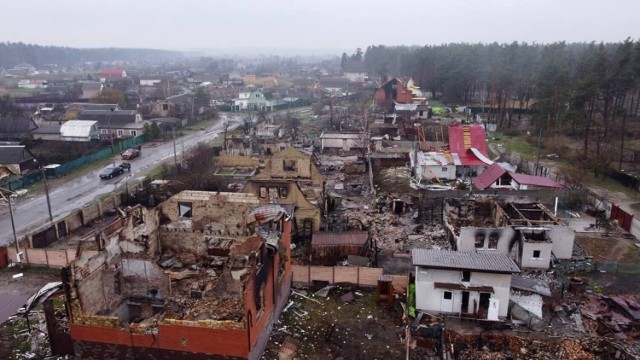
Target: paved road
[{"x": 31, "y": 212}]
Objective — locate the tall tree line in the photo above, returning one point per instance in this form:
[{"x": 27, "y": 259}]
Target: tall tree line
[
  {"x": 586, "y": 90},
  {"x": 12, "y": 54}
]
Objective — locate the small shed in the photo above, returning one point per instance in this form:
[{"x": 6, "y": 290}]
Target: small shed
[
  {"x": 327, "y": 248},
  {"x": 79, "y": 130}
]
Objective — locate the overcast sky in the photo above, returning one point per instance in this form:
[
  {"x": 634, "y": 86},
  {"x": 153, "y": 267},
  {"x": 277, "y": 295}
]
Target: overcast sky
[{"x": 319, "y": 24}]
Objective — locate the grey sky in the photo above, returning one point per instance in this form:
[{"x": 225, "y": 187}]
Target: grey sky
[{"x": 319, "y": 24}]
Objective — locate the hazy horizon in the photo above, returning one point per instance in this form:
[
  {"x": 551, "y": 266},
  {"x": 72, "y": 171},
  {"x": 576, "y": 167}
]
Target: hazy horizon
[{"x": 302, "y": 28}]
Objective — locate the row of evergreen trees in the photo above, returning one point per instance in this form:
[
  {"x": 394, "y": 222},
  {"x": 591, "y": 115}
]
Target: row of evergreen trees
[
  {"x": 12, "y": 54},
  {"x": 586, "y": 90}
]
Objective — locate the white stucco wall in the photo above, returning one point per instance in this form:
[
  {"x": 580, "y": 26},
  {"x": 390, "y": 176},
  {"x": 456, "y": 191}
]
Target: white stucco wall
[
  {"x": 528, "y": 261},
  {"x": 430, "y": 299},
  {"x": 339, "y": 143},
  {"x": 438, "y": 171},
  {"x": 466, "y": 240},
  {"x": 562, "y": 237}
]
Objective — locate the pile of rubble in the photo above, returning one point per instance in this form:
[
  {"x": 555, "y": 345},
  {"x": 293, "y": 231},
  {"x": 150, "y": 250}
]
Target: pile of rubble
[
  {"x": 399, "y": 233},
  {"x": 502, "y": 345}
]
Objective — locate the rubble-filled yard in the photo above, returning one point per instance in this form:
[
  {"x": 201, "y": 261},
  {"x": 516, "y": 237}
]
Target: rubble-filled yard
[
  {"x": 346, "y": 324},
  {"x": 16, "y": 341}
]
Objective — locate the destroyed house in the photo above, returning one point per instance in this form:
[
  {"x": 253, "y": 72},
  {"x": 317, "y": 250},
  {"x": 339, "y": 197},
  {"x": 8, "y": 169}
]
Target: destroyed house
[
  {"x": 288, "y": 194},
  {"x": 290, "y": 177},
  {"x": 203, "y": 275},
  {"x": 467, "y": 283},
  {"x": 391, "y": 92},
  {"x": 484, "y": 225},
  {"x": 468, "y": 145}
]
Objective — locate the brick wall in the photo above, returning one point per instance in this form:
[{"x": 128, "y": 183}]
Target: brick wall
[
  {"x": 103, "y": 338},
  {"x": 95, "y": 350},
  {"x": 170, "y": 340}
]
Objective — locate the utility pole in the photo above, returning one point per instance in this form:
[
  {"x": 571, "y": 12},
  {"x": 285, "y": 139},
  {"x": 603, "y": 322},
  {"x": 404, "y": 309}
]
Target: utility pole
[
  {"x": 175, "y": 155},
  {"x": 46, "y": 191},
  {"x": 109, "y": 124}
]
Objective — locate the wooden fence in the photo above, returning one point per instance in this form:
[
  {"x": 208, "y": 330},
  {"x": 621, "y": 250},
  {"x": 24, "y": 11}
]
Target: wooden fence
[{"x": 356, "y": 275}]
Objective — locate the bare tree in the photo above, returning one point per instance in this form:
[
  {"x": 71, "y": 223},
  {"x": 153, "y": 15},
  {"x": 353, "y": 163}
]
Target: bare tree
[{"x": 197, "y": 169}]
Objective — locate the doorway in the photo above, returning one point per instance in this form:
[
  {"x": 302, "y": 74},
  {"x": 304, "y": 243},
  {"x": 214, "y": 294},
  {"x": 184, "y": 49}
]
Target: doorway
[
  {"x": 464, "y": 304},
  {"x": 483, "y": 309}
]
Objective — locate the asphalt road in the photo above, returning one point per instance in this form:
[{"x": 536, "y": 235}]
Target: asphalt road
[{"x": 30, "y": 213}]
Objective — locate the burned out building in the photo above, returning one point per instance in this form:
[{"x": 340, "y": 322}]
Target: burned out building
[
  {"x": 528, "y": 232},
  {"x": 328, "y": 248},
  {"x": 291, "y": 178},
  {"x": 202, "y": 275}
]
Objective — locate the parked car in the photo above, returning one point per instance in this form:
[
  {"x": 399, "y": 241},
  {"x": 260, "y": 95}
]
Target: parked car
[
  {"x": 111, "y": 171},
  {"x": 130, "y": 153}
]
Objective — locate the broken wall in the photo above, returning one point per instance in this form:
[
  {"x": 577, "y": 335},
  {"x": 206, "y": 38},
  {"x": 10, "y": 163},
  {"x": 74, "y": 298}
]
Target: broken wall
[
  {"x": 97, "y": 283},
  {"x": 140, "y": 276},
  {"x": 228, "y": 209},
  {"x": 501, "y": 239},
  {"x": 286, "y": 193},
  {"x": 542, "y": 261},
  {"x": 562, "y": 237},
  {"x": 302, "y": 164}
]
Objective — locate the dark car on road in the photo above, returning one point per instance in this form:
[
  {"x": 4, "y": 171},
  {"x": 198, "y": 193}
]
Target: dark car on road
[{"x": 111, "y": 171}]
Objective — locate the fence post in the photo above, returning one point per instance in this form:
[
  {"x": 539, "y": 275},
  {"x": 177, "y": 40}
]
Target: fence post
[{"x": 46, "y": 258}]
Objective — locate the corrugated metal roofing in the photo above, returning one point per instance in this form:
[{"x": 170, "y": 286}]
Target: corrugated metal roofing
[
  {"x": 519, "y": 282},
  {"x": 9, "y": 305},
  {"x": 77, "y": 128},
  {"x": 489, "y": 176},
  {"x": 464, "y": 137},
  {"x": 357, "y": 238},
  {"x": 466, "y": 260},
  {"x": 532, "y": 180},
  {"x": 14, "y": 154},
  {"x": 433, "y": 158}
]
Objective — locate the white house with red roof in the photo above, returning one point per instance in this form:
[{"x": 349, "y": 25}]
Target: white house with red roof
[
  {"x": 112, "y": 73},
  {"x": 495, "y": 176},
  {"x": 468, "y": 145}
]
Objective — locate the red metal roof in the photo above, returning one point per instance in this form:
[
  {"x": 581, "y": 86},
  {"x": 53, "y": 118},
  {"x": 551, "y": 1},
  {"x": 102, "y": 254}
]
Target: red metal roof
[
  {"x": 464, "y": 137},
  {"x": 357, "y": 238},
  {"x": 532, "y": 180},
  {"x": 489, "y": 176},
  {"x": 111, "y": 72}
]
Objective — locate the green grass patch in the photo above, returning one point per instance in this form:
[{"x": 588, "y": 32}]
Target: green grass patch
[
  {"x": 518, "y": 144},
  {"x": 609, "y": 185},
  {"x": 435, "y": 103}
]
